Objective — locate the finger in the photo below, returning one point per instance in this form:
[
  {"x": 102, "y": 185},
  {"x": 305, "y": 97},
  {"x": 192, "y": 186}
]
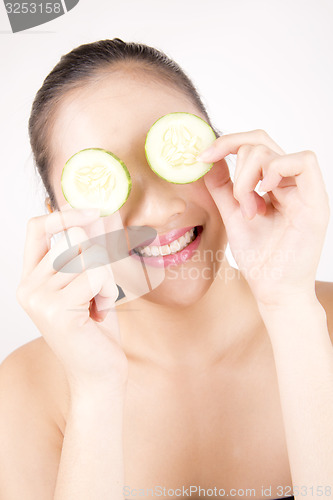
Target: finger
[
  {"x": 71, "y": 244},
  {"x": 93, "y": 234},
  {"x": 104, "y": 301},
  {"x": 81, "y": 290},
  {"x": 220, "y": 187},
  {"x": 87, "y": 259},
  {"x": 66, "y": 260},
  {"x": 41, "y": 229},
  {"x": 104, "y": 304},
  {"x": 230, "y": 144},
  {"x": 102, "y": 307},
  {"x": 82, "y": 300},
  {"x": 253, "y": 164},
  {"x": 303, "y": 167},
  {"x": 284, "y": 182},
  {"x": 107, "y": 315},
  {"x": 96, "y": 313},
  {"x": 242, "y": 154},
  {"x": 261, "y": 204}
]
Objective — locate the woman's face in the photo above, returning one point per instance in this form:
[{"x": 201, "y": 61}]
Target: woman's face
[{"x": 115, "y": 113}]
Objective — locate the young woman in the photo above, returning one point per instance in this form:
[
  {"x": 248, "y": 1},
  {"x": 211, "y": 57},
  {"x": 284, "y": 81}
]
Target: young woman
[{"x": 218, "y": 386}]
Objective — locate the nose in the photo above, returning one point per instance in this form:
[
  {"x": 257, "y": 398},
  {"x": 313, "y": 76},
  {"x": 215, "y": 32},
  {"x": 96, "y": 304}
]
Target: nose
[{"x": 153, "y": 202}]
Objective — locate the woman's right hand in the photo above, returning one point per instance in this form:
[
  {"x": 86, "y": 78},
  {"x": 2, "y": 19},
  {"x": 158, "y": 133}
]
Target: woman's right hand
[{"x": 62, "y": 304}]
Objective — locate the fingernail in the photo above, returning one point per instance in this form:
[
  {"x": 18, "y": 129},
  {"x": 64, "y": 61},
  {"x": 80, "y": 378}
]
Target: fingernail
[
  {"x": 242, "y": 209},
  {"x": 262, "y": 187},
  {"x": 206, "y": 155}
]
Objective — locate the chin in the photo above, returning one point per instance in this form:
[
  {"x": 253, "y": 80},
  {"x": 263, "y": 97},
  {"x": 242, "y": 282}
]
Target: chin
[
  {"x": 189, "y": 273},
  {"x": 182, "y": 287}
]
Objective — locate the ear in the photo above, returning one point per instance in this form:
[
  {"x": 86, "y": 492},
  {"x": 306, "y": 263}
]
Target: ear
[{"x": 48, "y": 205}]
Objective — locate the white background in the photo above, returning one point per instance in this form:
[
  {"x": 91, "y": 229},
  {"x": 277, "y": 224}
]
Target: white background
[{"x": 257, "y": 63}]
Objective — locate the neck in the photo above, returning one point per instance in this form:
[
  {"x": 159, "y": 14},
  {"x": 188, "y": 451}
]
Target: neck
[{"x": 224, "y": 321}]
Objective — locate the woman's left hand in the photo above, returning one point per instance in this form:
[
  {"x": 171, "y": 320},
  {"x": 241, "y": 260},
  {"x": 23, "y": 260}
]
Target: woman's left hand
[{"x": 276, "y": 239}]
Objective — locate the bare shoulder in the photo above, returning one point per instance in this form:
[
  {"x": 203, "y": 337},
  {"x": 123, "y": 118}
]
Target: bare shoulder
[
  {"x": 324, "y": 292},
  {"x": 34, "y": 366},
  {"x": 31, "y": 388}
]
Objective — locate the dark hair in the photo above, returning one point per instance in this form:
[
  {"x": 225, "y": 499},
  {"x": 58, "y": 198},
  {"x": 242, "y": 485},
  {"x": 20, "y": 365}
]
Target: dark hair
[{"x": 78, "y": 68}]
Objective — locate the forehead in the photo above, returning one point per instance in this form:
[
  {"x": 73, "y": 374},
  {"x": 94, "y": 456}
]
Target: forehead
[{"x": 114, "y": 113}]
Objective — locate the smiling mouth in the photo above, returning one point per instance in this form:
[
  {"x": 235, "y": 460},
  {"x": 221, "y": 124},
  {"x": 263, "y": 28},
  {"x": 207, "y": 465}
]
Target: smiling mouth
[{"x": 172, "y": 248}]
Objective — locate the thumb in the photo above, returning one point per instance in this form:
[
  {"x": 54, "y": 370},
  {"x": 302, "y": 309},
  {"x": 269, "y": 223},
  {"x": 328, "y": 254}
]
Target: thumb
[
  {"x": 103, "y": 310},
  {"x": 100, "y": 307},
  {"x": 220, "y": 187}
]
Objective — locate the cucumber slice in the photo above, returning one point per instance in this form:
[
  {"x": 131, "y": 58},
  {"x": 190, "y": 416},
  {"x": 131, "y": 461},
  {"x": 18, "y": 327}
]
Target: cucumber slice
[
  {"x": 173, "y": 143},
  {"x": 96, "y": 178}
]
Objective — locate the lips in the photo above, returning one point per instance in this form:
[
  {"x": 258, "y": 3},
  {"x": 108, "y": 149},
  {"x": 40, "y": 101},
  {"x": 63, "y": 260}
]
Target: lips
[
  {"x": 165, "y": 239},
  {"x": 177, "y": 258}
]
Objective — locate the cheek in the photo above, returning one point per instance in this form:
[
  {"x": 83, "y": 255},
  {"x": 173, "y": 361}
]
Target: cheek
[
  {"x": 215, "y": 233},
  {"x": 202, "y": 196}
]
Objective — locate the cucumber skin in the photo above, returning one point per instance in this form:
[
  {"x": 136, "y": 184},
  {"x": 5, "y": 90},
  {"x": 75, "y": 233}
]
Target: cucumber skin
[
  {"x": 209, "y": 165},
  {"x": 116, "y": 158}
]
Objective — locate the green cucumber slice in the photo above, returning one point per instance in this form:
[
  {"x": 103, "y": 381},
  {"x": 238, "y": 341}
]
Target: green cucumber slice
[
  {"x": 96, "y": 178},
  {"x": 173, "y": 143}
]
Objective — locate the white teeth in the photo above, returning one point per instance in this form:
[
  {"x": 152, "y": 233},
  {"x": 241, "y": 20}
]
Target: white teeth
[
  {"x": 148, "y": 251},
  {"x": 155, "y": 251},
  {"x": 165, "y": 250},
  {"x": 173, "y": 247},
  {"x": 182, "y": 242}
]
